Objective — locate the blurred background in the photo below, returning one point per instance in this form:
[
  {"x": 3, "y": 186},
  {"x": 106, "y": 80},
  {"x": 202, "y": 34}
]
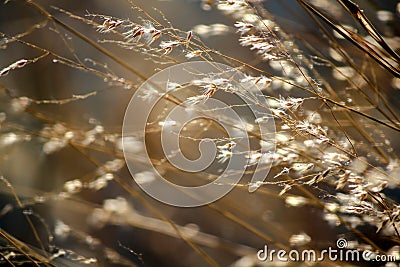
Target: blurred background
[{"x": 117, "y": 223}]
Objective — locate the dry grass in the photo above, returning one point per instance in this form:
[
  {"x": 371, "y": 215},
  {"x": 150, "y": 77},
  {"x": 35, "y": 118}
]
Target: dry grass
[{"x": 329, "y": 72}]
